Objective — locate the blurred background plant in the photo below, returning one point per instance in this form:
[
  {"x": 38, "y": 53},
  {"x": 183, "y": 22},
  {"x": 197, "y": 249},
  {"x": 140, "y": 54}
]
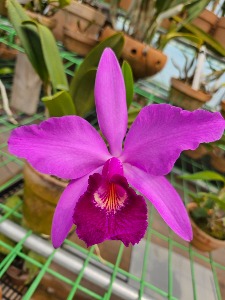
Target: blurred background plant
[{"x": 207, "y": 209}]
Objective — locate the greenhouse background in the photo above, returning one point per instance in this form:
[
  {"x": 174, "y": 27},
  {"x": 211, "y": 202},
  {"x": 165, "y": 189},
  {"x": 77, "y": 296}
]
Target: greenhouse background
[{"x": 162, "y": 265}]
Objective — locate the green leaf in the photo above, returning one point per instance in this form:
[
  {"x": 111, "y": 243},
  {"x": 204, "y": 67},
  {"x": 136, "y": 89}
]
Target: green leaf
[
  {"x": 204, "y": 175},
  {"x": 32, "y": 269},
  {"x": 60, "y": 104},
  {"x": 91, "y": 61},
  {"x": 129, "y": 82},
  {"x": 63, "y": 3},
  {"x": 164, "y": 39},
  {"x": 194, "y": 8},
  {"x": 28, "y": 37},
  {"x": 6, "y": 71},
  {"x": 84, "y": 94},
  {"x": 199, "y": 213},
  {"x": 206, "y": 38},
  {"x": 132, "y": 114},
  {"x": 52, "y": 58},
  {"x": 34, "y": 50}
]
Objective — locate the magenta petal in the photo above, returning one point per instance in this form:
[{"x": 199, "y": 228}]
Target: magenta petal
[
  {"x": 96, "y": 224},
  {"x": 110, "y": 100},
  {"x": 160, "y": 132},
  {"x": 68, "y": 147},
  {"x": 164, "y": 197}
]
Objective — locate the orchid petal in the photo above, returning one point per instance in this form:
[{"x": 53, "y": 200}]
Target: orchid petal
[
  {"x": 110, "y": 99},
  {"x": 96, "y": 223},
  {"x": 68, "y": 147},
  {"x": 160, "y": 132},
  {"x": 164, "y": 197},
  {"x": 63, "y": 216}
]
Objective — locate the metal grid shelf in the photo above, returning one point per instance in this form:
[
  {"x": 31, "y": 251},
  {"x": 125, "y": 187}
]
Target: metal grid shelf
[{"x": 162, "y": 266}]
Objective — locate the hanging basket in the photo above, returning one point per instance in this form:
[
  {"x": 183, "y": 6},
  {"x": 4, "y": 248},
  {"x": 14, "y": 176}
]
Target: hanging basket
[
  {"x": 182, "y": 95},
  {"x": 145, "y": 61}
]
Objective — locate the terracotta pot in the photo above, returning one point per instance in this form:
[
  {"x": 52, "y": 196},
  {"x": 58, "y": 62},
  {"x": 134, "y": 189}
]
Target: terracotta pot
[
  {"x": 218, "y": 159},
  {"x": 41, "y": 194},
  {"x": 166, "y": 23},
  {"x": 124, "y": 4},
  {"x": 83, "y": 23},
  {"x": 197, "y": 153},
  {"x": 182, "y": 94},
  {"x": 201, "y": 240},
  {"x": 219, "y": 32},
  {"x": 144, "y": 60},
  {"x": 77, "y": 42},
  {"x": 3, "y": 9},
  {"x": 206, "y": 21},
  {"x": 7, "y": 53}
]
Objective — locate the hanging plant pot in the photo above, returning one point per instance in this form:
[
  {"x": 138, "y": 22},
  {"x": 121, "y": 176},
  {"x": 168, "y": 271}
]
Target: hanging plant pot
[
  {"x": 41, "y": 194},
  {"x": 219, "y": 32},
  {"x": 3, "y": 11},
  {"x": 206, "y": 21},
  {"x": 197, "y": 153},
  {"x": 124, "y": 4},
  {"x": 77, "y": 42},
  {"x": 82, "y": 26},
  {"x": 218, "y": 159},
  {"x": 144, "y": 60},
  {"x": 201, "y": 240},
  {"x": 182, "y": 95}
]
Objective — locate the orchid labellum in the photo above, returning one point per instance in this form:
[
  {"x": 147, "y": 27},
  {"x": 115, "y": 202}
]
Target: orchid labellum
[{"x": 101, "y": 198}]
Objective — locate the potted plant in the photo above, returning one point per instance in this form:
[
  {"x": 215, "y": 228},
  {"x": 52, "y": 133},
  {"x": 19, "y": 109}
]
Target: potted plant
[
  {"x": 207, "y": 213},
  {"x": 140, "y": 24},
  {"x": 191, "y": 90},
  {"x": 81, "y": 27}
]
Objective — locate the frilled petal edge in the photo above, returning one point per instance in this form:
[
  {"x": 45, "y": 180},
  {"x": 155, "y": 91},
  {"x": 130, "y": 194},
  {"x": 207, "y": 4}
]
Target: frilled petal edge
[
  {"x": 110, "y": 210},
  {"x": 67, "y": 147},
  {"x": 164, "y": 197}
]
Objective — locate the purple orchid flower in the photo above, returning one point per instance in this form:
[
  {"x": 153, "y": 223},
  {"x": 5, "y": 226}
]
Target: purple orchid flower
[{"x": 99, "y": 199}]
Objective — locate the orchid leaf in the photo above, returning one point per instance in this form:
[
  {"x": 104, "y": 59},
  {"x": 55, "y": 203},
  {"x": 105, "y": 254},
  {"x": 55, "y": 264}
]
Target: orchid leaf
[
  {"x": 34, "y": 47},
  {"x": 6, "y": 71},
  {"x": 84, "y": 96},
  {"x": 52, "y": 58},
  {"x": 173, "y": 34},
  {"x": 215, "y": 198},
  {"x": 115, "y": 42},
  {"x": 132, "y": 114},
  {"x": 28, "y": 37},
  {"x": 194, "y": 8},
  {"x": 204, "y": 175},
  {"x": 60, "y": 104},
  {"x": 129, "y": 82},
  {"x": 63, "y": 3},
  {"x": 206, "y": 38}
]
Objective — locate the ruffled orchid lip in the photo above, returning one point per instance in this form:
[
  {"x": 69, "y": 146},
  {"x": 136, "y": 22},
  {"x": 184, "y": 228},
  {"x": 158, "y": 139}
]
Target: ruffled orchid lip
[{"x": 109, "y": 198}]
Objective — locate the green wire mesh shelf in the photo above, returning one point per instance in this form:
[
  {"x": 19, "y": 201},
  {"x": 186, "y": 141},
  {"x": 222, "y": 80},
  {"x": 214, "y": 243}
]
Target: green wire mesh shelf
[{"x": 161, "y": 266}]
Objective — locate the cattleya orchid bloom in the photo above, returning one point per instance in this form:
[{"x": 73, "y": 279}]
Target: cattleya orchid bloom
[{"x": 100, "y": 199}]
